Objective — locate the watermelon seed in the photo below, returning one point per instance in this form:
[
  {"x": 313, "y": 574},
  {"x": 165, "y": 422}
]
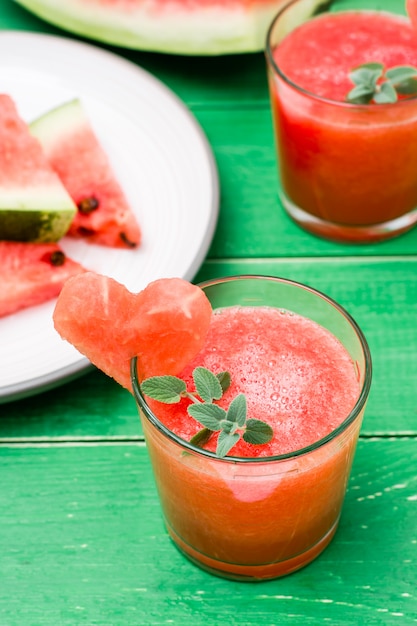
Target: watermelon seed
[
  {"x": 55, "y": 258},
  {"x": 86, "y": 232},
  {"x": 128, "y": 242},
  {"x": 88, "y": 205}
]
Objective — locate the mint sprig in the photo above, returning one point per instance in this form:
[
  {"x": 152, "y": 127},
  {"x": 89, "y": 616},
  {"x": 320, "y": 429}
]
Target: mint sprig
[
  {"x": 231, "y": 424},
  {"x": 374, "y": 84}
]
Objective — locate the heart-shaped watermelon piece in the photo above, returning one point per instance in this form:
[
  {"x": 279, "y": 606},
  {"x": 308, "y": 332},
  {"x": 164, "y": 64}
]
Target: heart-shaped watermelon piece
[{"x": 164, "y": 325}]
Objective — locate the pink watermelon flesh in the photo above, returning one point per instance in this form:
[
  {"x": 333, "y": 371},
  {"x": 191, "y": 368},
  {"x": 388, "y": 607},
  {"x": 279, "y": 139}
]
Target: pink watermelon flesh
[
  {"x": 165, "y": 325},
  {"x": 32, "y": 273},
  {"x": 34, "y": 204},
  {"x": 16, "y": 142},
  {"x": 411, "y": 7},
  {"x": 104, "y": 214}
]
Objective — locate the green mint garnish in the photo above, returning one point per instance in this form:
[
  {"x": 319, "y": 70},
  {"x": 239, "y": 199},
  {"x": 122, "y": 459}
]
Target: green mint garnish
[
  {"x": 166, "y": 389},
  {"x": 374, "y": 84},
  {"x": 207, "y": 384},
  {"x": 210, "y": 387}
]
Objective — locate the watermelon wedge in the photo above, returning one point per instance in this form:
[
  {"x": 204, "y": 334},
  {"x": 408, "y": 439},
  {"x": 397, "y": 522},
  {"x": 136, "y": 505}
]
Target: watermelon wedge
[
  {"x": 204, "y": 27},
  {"x": 34, "y": 205},
  {"x": 165, "y": 325},
  {"x": 32, "y": 273},
  {"x": 411, "y": 8},
  {"x": 74, "y": 152}
]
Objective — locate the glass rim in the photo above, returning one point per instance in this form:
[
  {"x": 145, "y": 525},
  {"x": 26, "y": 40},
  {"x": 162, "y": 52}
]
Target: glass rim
[
  {"x": 349, "y": 419},
  {"x": 348, "y": 105}
]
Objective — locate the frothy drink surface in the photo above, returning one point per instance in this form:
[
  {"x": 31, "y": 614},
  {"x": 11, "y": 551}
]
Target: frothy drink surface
[
  {"x": 319, "y": 55},
  {"x": 295, "y": 374}
]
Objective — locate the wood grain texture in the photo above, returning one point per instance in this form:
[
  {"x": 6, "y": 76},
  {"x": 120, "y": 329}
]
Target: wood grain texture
[
  {"x": 381, "y": 294},
  {"x": 82, "y": 542},
  {"x": 252, "y": 221},
  {"x": 93, "y": 406},
  {"x": 229, "y": 97}
]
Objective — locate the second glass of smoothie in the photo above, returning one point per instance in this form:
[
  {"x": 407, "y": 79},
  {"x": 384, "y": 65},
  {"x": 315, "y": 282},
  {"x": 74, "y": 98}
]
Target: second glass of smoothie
[{"x": 347, "y": 170}]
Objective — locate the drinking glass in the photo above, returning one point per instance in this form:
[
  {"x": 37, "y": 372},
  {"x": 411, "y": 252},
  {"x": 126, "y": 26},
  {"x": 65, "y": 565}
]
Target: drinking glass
[
  {"x": 347, "y": 171},
  {"x": 259, "y": 518}
]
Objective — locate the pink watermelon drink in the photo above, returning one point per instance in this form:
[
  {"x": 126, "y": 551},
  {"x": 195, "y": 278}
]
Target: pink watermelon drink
[
  {"x": 264, "y": 510},
  {"x": 347, "y": 167}
]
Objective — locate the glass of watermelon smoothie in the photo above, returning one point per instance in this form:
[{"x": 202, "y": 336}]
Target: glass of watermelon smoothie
[
  {"x": 264, "y": 511},
  {"x": 346, "y": 168}
]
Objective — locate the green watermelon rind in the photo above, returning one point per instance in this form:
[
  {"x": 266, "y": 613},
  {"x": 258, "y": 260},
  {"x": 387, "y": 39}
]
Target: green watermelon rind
[
  {"x": 35, "y": 224},
  {"x": 207, "y": 30},
  {"x": 75, "y": 153},
  {"x": 37, "y": 213},
  {"x": 64, "y": 119},
  {"x": 34, "y": 204}
]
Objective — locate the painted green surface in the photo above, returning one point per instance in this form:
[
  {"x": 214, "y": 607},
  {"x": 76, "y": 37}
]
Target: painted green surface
[
  {"x": 81, "y": 536},
  {"x": 229, "y": 97},
  {"x": 380, "y": 293},
  {"x": 82, "y": 543},
  {"x": 252, "y": 221}
]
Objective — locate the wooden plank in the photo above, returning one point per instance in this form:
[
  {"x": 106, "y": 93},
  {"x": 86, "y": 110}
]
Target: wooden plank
[
  {"x": 381, "y": 294},
  {"x": 14, "y": 17},
  {"x": 93, "y": 406},
  {"x": 82, "y": 542},
  {"x": 252, "y": 221},
  {"x": 229, "y": 97}
]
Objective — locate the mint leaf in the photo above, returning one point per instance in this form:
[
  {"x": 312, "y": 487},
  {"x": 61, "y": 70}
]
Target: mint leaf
[
  {"x": 210, "y": 415},
  {"x": 257, "y": 432},
  {"x": 201, "y": 437},
  {"x": 167, "y": 389},
  {"x": 229, "y": 427},
  {"x": 367, "y": 74},
  {"x": 224, "y": 380},
  {"x": 237, "y": 410},
  {"x": 401, "y": 73},
  {"x": 214, "y": 418},
  {"x": 385, "y": 94},
  {"x": 207, "y": 384},
  {"x": 407, "y": 87},
  {"x": 225, "y": 443},
  {"x": 361, "y": 94},
  {"x": 374, "y": 84}
]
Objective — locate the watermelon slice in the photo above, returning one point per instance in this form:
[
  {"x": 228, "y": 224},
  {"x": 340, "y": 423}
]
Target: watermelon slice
[
  {"x": 174, "y": 26},
  {"x": 32, "y": 273},
  {"x": 411, "y": 8},
  {"x": 34, "y": 205},
  {"x": 165, "y": 325},
  {"x": 74, "y": 152}
]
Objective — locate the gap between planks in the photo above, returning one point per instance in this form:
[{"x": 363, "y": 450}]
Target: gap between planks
[{"x": 139, "y": 441}]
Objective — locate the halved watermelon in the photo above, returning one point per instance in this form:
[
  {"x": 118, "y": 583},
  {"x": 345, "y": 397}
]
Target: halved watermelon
[
  {"x": 165, "y": 325},
  {"x": 74, "y": 152},
  {"x": 34, "y": 205},
  {"x": 32, "y": 273},
  {"x": 175, "y": 26}
]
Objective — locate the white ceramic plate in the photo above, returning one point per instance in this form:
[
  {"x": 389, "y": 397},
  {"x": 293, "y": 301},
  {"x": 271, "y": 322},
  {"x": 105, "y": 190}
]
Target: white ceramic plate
[{"x": 160, "y": 156}]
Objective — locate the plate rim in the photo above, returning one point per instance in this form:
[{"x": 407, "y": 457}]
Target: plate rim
[{"x": 45, "y": 382}]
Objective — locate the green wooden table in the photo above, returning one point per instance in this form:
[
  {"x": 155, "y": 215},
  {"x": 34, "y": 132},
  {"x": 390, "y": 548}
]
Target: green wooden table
[{"x": 82, "y": 541}]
